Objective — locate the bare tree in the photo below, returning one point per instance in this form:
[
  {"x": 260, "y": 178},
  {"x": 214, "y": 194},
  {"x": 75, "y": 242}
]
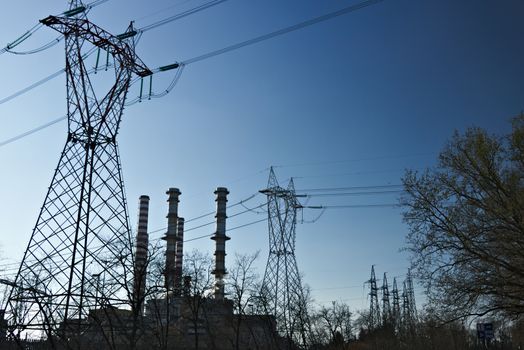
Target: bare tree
[
  {"x": 243, "y": 288},
  {"x": 466, "y": 220},
  {"x": 333, "y": 323},
  {"x": 198, "y": 267},
  {"x": 127, "y": 326}
]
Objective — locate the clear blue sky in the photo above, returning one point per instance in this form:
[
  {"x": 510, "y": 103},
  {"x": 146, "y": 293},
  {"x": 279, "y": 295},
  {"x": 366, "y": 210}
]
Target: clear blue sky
[{"x": 349, "y": 102}]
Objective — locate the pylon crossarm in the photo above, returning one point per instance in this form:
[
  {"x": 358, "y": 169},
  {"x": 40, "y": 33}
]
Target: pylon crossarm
[{"x": 100, "y": 38}]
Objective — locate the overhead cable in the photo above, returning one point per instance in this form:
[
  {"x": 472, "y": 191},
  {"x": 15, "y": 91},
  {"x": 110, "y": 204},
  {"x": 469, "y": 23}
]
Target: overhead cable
[
  {"x": 180, "y": 15},
  {"x": 32, "y": 131},
  {"x": 177, "y": 65},
  {"x": 328, "y": 189},
  {"x": 352, "y": 193},
  {"x": 32, "y": 30},
  {"x": 282, "y": 31},
  {"x": 351, "y": 206}
]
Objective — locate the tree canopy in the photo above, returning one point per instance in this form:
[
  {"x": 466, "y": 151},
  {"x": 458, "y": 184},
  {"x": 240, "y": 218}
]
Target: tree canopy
[{"x": 466, "y": 227}]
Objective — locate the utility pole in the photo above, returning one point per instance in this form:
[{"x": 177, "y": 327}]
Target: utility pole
[
  {"x": 282, "y": 286},
  {"x": 84, "y": 219}
]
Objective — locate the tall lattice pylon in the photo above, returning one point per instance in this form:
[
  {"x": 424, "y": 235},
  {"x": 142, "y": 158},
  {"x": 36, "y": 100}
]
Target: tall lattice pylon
[
  {"x": 396, "y": 306},
  {"x": 282, "y": 286},
  {"x": 374, "y": 308},
  {"x": 80, "y": 251},
  {"x": 386, "y": 307},
  {"x": 409, "y": 307}
]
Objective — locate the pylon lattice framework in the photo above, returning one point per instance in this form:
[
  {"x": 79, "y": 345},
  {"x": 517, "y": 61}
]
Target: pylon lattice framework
[
  {"x": 282, "y": 287},
  {"x": 82, "y": 232},
  {"x": 374, "y": 309}
]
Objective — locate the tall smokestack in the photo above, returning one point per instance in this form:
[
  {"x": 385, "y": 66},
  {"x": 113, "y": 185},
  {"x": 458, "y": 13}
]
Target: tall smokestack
[
  {"x": 220, "y": 239},
  {"x": 142, "y": 240},
  {"x": 170, "y": 237},
  {"x": 179, "y": 256}
]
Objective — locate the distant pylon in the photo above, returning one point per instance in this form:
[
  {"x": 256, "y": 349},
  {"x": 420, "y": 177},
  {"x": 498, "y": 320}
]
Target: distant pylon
[
  {"x": 282, "y": 287},
  {"x": 82, "y": 231},
  {"x": 411, "y": 309},
  {"x": 396, "y": 306},
  {"x": 374, "y": 309},
  {"x": 386, "y": 309}
]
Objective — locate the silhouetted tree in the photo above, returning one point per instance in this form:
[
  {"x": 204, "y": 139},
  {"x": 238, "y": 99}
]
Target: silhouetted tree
[
  {"x": 198, "y": 266},
  {"x": 466, "y": 224},
  {"x": 242, "y": 288}
]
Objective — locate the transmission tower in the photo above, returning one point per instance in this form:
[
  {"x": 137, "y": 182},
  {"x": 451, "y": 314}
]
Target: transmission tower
[
  {"x": 411, "y": 308},
  {"x": 82, "y": 232},
  {"x": 386, "y": 309},
  {"x": 374, "y": 309},
  {"x": 282, "y": 287},
  {"x": 396, "y": 306}
]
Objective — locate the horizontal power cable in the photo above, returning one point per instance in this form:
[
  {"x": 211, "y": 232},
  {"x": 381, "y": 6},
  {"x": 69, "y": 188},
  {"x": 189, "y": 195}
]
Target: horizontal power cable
[
  {"x": 241, "y": 202},
  {"x": 16, "y": 264},
  {"x": 140, "y": 30},
  {"x": 258, "y": 39},
  {"x": 32, "y": 131},
  {"x": 48, "y": 78},
  {"x": 228, "y": 230},
  {"x": 162, "y": 10},
  {"x": 282, "y": 31},
  {"x": 180, "y": 15},
  {"x": 211, "y": 54},
  {"x": 351, "y": 206},
  {"x": 344, "y": 194},
  {"x": 32, "y": 86},
  {"x": 351, "y": 188}
]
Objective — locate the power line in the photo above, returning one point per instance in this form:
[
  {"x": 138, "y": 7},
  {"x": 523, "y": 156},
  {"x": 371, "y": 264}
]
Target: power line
[
  {"x": 326, "y": 189},
  {"x": 180, "y": 15},
  {"x": 282, "y": 31},
  {"x": 32, "y": 86},
  {"x": 211, "y": 54},
  {"x": 46, "y": 79},
  {"x": 323, "y": 207},
  {"x": 352, "y": 206},
  {"x": 32, "y": 131},
  {"x": 137, "y": 32},
  {"x": 352, "y": 193},
  {"x": 162, "y": 10},
  {"x": 36, "y": 27},
  {"x": 38, "y": 49},
  {"x": 187, "y": 230},
  {"x": 231, "y": 229}
]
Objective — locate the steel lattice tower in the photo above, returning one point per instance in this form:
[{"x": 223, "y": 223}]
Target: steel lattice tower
[
  {"x": 396, "y": 306},
  {"x": 386, "y": 307},
  {"x": 82, "y": 233},
  {"x": 282, "y": 285},
  {"x": 374, "y": 309},
  {"x": 410, "y": 307}
]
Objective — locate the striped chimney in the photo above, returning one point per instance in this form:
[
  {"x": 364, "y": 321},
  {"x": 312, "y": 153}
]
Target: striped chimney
[
  {"x": 220, "y": 239},
  {"x": 170, "y": 237},
  {"x": 142, "y": 240}
]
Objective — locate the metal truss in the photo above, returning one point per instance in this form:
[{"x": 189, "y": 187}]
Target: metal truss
[
  {"x": 80, "y": 252},
  {"x": 282, "y": 287}
]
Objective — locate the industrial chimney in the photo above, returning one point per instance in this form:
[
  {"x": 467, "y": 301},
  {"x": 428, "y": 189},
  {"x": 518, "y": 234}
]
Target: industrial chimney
[
  {"x": 179, "y": 256},
  {"x": 142, "y": 240},
  {"x": 220, "y": 239},
  {"x": 171, "y": 237}
]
